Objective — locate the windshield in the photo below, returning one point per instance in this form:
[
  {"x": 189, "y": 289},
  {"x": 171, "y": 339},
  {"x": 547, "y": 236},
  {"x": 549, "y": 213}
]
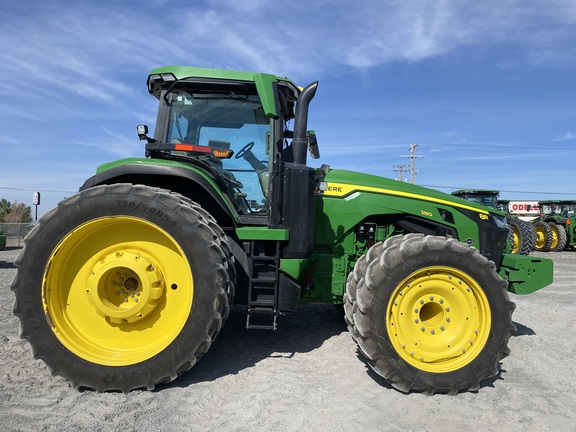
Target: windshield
[
  {"x": 485, "y": 200},
  {"x": 562, "y": 209},
  {"x": 226, "y": 120}
]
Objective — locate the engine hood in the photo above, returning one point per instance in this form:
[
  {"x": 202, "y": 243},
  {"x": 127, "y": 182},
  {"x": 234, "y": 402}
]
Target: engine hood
[{"x": 342, "y": 183}]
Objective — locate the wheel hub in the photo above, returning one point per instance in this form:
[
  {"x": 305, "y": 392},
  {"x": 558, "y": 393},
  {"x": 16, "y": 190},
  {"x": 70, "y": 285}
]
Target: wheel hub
[
  {"x": 124, "y": 287},
  {"x": 434, "y": 317}
]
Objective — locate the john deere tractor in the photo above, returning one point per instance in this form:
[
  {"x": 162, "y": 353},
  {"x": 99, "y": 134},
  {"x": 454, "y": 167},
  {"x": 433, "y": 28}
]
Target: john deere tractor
[
  {"x": 522, "y": 235},
  {"x": 127, "y": 283},
  {"x": 556, "y": 224}
]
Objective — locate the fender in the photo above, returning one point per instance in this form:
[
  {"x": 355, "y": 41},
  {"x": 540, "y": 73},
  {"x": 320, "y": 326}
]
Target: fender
[{"x": 176, "y": 176}]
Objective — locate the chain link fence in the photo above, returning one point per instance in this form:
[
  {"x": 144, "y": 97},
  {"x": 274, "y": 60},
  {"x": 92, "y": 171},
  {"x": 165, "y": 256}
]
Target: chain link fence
[{"x": 15, "y": 232}]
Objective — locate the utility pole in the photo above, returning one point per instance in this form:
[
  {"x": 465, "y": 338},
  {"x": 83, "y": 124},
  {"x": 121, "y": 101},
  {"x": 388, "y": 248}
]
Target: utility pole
[{"x": 412, "y": 156}]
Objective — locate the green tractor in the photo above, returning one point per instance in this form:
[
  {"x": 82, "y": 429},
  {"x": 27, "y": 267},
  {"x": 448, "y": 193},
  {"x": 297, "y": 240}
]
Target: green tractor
[
  {"x": 522, "y": 236},
  {"x": 556, "y": 225},
  {"x": 127, "y": 283}
]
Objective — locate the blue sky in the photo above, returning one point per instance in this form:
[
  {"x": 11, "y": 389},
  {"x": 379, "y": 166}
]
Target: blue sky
[{"x": 486, "y": 89}]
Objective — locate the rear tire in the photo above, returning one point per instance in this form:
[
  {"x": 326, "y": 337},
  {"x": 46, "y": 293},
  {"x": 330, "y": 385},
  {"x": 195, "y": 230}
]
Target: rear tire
[
  {"x": 431, "y": 315},
  {"x": 543, "y": 236},
  {"x": 123, "y": 287},
  {"x": 529, "y": 236},
  {"x": 559, "y": 237},
  {"x": 517, "y": 244}
]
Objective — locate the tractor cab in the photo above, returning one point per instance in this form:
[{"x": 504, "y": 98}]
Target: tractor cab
[
  {"x": 561, "y": 208},
  {"x": 487, "y": 198},
  {"x": 247, "y": 133},
  {"x": 225, "y": 129}
]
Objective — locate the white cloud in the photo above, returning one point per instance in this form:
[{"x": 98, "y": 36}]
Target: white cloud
[
  {"x": 88, "y": 50},
  {"x": 568, "y": 136}
]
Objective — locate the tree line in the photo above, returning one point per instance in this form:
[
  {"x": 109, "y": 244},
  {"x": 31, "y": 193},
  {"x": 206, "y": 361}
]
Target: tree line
[{"x": 14, "y": 212}]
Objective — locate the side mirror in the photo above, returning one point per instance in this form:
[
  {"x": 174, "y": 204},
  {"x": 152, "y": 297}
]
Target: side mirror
[{"x": 312, "y": 144}]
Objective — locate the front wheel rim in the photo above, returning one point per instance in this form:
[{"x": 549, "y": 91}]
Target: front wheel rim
[
  {"x": 438, "y": 319},
  {"x": 117, "y": 290}
]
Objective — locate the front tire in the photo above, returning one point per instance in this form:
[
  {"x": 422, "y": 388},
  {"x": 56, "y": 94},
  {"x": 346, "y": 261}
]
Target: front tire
[
  {"x": 122, "y": 287},
  {"x": 432, "y": 315}
]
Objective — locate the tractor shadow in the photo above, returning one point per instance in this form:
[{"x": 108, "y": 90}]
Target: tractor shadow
[
  {"x": 237, "y": 348},
  {"x": 521, "y": 330},
  {"x": 7, "y": 256}
]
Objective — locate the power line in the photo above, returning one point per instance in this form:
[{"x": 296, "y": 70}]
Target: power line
[
  {"x": 400, "y": 171},
  {"x": 36, "y": 190}
]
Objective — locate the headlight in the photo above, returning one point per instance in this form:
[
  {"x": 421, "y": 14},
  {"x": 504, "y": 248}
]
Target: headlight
[{"x": 500, "y": 221}]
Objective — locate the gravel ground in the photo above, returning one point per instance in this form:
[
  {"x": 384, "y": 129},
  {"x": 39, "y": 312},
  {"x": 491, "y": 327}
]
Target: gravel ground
[{"x": 306, "y": 376}]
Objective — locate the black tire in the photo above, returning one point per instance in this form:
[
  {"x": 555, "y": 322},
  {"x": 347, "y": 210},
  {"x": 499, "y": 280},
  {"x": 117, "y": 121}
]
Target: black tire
[
  {"x": 412, "y": 277},
  {"x": 543, "y": 237},
  {"x": 513, "y": 240},
  {"x": 529, "y": 236},
  {"x": 224, "y": 244},
  {"x": 181, "y": 266},
  {"x": 516, "y": 233},
  {"x": 524, "y": 236},
  {"x": 559, "y": 237}
]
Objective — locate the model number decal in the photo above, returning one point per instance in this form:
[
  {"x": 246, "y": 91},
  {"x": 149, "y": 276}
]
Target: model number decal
[
  {"x": 425, "y": 213},
  {"x": 146, "y": 209}
]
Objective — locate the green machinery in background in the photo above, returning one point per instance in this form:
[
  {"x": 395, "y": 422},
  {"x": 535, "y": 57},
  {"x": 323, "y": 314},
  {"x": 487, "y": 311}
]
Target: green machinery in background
[
  {"x": 522, "y": 234},
  {"x": 555, "y": 225}
]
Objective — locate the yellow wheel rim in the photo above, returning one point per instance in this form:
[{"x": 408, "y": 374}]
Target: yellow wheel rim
[
  {"x": 555, "y": 238},
  {"x": 540, "y": 237},
  {"x": 438, "y": 319},
  {"x": 516, "y": 234},
  {"x": 117, "y": 290}
]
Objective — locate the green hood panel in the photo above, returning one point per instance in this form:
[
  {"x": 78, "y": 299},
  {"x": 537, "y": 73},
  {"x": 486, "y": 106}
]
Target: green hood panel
[{"x": 342, "y": 183}]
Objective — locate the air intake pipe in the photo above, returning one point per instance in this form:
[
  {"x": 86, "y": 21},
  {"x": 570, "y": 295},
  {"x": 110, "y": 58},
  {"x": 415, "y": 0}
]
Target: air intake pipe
[{"x": 299, "y": 140}]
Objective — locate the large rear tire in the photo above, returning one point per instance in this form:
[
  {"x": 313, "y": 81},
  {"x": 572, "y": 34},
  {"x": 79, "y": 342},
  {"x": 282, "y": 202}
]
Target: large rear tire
[
  {"x": 529, "y": 236},
  {"x": 123, "y": 287},
  {"x": 516, "y": 231},
  {"x": 559, "y": 237},
  {"x": 543, "y": 236},
  {"x": 524, "y": 236},
  {"x": 431, "y": 315}
]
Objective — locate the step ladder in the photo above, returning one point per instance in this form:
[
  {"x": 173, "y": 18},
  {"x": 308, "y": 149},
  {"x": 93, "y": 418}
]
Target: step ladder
[{"x": 264, "y": 264}]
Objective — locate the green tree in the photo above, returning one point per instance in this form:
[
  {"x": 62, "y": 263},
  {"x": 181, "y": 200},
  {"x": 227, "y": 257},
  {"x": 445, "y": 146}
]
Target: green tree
[
  {"x": 14, "y": 212},
  {"x": 5, "y": 207}
]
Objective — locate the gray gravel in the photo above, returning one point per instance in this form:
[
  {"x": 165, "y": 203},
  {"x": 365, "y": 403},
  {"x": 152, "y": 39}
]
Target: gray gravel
[{"x": 306, "y": 376}]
